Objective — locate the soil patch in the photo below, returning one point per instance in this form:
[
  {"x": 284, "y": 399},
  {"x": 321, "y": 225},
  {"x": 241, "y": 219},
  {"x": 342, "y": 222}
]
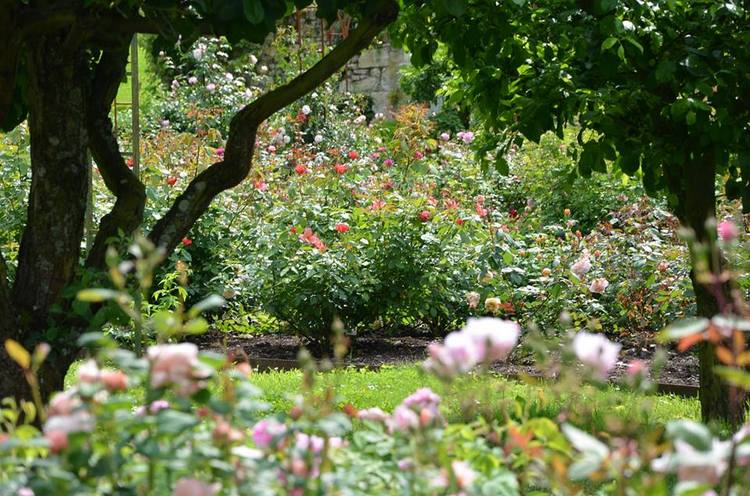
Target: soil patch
[{"x": 266, "y": 351}]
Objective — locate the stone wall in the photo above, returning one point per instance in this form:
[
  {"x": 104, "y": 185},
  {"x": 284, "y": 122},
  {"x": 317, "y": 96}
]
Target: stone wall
[{"x": 375, "y": 72}]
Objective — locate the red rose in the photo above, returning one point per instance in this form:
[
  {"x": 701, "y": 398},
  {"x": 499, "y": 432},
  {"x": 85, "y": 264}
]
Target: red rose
[
  {"x": 300, "y": 169},
  {"x": 342, "y": 227},
  {"x": 424, "y": 215},
  {"x": 187, "y": 241},
  {"x": 171, "y": 180},
  {"x": 353, "y": 155},
  {"x": 340, "y": 168}
]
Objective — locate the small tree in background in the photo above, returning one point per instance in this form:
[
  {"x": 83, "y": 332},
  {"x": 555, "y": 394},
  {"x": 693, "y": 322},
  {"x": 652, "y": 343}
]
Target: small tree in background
[{"x": 660, "y": 89}]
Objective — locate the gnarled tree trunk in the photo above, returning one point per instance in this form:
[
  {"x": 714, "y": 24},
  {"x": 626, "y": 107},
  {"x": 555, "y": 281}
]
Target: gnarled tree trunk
[{"x": 51, "y": 243}]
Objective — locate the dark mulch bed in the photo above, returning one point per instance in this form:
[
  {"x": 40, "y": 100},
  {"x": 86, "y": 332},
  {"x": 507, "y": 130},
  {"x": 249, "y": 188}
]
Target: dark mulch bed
[{"x": 375, "y": 350}]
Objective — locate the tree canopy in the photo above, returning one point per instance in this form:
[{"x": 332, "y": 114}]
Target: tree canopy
[
  {"x": 656, "y": 81},
  {"x": 659, "y": 88}
]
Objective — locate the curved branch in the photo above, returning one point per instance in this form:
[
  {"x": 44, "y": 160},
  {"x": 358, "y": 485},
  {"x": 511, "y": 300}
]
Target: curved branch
[
  {"x": 191, "y": 204},
  {"x": 127, "y": 213}
]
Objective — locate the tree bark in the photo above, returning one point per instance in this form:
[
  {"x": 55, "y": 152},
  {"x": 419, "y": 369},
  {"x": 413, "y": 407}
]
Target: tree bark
[
  {"x": 697, "y": 205},
  {"x": 191, "y": 204},
  {"x": 11, "y": 43},
  {"x": 127, "y": 213},
  {"x": 51, "y": 241}
]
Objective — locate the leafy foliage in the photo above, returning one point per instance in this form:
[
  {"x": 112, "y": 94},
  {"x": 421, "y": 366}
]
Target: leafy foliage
[{"x": 658, "y": 84}]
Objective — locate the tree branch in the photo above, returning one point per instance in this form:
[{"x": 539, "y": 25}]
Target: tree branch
[
  {"x": 191, "y": 204},
  {"x": 127, "y": 213}
]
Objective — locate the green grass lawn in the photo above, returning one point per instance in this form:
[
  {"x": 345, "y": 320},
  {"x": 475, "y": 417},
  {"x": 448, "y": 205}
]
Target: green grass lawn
[
  {"x": 124, "y": 94},
  {"x": 387, "y": 387}
]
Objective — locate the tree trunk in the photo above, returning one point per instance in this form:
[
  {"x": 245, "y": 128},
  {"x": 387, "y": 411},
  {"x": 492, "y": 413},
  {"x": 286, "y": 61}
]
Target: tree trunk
[
  {"x": 698, "y": 205},
  {"x": 51, "y": 242},
  {"x": 127, "y": 214}
]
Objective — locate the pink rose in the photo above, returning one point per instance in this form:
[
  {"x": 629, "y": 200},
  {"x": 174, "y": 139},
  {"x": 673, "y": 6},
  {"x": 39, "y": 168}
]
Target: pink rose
[
  {"x": 58, "y": 440},
  {"x": 581, "y": 267},
  {"x": 596, "y": 351},
  {"x": 404, "y": 419},
  {"x": 373, "y": 414},
  {"x": 494, "y": 338},
  {"x": 175, "y": 364},
  {"x": 599, "y": 285},
  {"x": 192, "y": 487},
  {"x": 463, "y": 473},
  {"x": 266, "y": 432},
  {"x": 728, "y": 230},
  {"x": 114, "y": 380}
]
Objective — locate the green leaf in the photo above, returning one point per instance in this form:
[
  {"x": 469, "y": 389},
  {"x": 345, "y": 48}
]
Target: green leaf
[
  {"x": 609, "y": 43},
  {"x": 696, "y": 435},
  {"x": 97, "y": 295},
  {"x": 253, "y": 10},
  {"x": 585, "y": 442},
  {"x": 455, "y": 8},
  {"x": 213, "y": 301},
  {"x": 684, "y": 327},
  {"x": 18, "y": 353},
  {"x": 195, "y": 326},
  {"x": 173, "y": 422},
  {"x": 735, "y": 377}
]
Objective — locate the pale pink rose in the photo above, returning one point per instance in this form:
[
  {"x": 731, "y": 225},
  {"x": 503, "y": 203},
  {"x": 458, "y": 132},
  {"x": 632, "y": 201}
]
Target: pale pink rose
[
  {"x": 63, "y": 403},
  {"x": 422, "y": 398},
  {"x": 462, "y": 351},
  {"x": 463, "y": 473},
  {"x": 445, "y": 136},
  {"x": 598, "y": 285},
  {"x": 192, "y": 487},
  {"x": 224, "y": 433},
  {"x": 466, "y": 136},
  {"x": 158, "y": 405},
  {"x": 494, "y": 338},
  {"x": 306, "y": 442},
  {"x": 405, "y": 464},
  {"x": 58, "y": 440},
  {"x": 441, "y": 362},
  {"x": 336, "y": 442},
  {"x": 299, "y": 467},
  {"x": 25, "y": 491},
  {"x": 88, "y": 372},
  {"x": 175, "y": 364},
  {"x": 266, "y": 432},
  {"x": 581, "y": 267},
  {"x": 728, "y": 230},
  {"x": 691, "y": 465},
  {"x": 636, "y": 368},
  {"x": 78, "y": 421},
  {"x": 114, "y": 380},
  {"x": 472, "y": 298},
  {"x": 373, "y": 414},
  {"x": 404, "y": 419},
  {"x": 596, "y": 351}
]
